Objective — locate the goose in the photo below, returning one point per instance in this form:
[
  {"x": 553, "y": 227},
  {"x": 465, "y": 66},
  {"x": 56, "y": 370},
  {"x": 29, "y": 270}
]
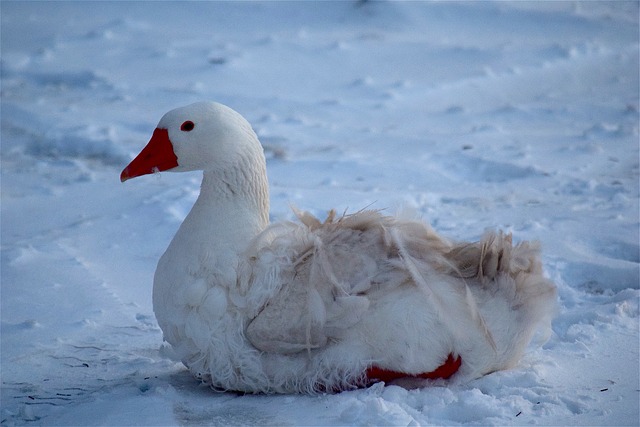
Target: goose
[{"x": 310, "y": 306}]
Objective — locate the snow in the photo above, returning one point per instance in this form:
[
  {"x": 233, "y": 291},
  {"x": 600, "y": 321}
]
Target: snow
[{"x": 514, "y": 115}]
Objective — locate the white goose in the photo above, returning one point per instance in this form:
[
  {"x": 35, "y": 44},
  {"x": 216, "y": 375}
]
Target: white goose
[{"x": 311, "y": 306}]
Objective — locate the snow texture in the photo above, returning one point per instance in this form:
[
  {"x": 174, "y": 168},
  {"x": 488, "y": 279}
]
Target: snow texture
[{"x": 477, "y": 115}]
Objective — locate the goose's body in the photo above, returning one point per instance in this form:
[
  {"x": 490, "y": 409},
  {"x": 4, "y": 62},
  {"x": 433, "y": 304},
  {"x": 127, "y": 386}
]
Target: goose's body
[{"x": 309, "y": 306}]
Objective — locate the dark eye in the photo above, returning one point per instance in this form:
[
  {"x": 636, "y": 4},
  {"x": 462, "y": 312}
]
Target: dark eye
[{"x": 187, "y": 126}]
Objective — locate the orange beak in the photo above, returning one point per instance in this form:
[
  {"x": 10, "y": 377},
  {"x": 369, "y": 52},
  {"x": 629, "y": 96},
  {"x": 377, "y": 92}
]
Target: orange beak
[{"x": 157, "y": 156}]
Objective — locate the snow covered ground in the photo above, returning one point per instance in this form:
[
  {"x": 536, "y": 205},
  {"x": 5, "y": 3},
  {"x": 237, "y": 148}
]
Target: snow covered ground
[{"x": 520, "y": 116}]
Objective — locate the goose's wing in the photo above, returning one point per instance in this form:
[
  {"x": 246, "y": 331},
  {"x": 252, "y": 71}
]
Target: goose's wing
[{"x": 310, "y": 282}]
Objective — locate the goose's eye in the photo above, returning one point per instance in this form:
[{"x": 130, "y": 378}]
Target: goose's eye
[{"x": 187, "y": 126}]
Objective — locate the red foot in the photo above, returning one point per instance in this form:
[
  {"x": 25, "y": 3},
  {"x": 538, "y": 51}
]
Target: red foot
[{"x": 445, "y": 371}]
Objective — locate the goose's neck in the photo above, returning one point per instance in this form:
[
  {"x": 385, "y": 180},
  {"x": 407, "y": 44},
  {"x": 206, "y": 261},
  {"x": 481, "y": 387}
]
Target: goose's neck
[
  {"x": 233, "y": 207},
  {"x": 240, "y": 199}
]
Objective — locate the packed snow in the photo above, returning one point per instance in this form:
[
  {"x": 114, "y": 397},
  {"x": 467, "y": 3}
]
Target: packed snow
[{"x": 476, "y": 115}]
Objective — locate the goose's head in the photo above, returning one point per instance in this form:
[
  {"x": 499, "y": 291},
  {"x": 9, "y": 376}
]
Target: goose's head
[{"x": 200, "y": 136}]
